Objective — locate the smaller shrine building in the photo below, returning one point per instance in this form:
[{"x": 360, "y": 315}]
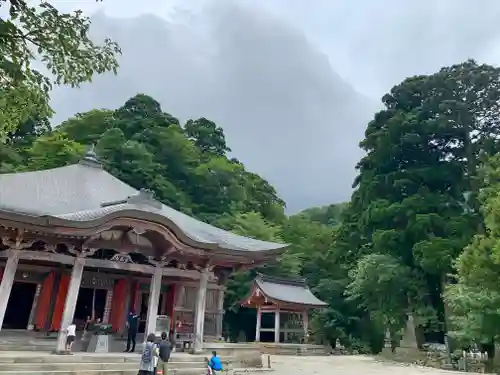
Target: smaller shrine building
[{"x": 289, "y": 301}]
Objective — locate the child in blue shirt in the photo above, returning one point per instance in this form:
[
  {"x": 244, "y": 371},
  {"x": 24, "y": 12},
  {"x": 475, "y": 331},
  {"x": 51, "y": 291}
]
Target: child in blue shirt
[{"x": 215, "y": 364}]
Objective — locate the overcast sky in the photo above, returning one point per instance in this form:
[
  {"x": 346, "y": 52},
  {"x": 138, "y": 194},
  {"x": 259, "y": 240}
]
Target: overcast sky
[{"x": 292, "y": 82}]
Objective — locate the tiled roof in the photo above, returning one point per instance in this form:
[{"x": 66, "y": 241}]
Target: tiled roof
[
  {"x": 85, "y": 192},
  {"x": 287, "y": 290}
]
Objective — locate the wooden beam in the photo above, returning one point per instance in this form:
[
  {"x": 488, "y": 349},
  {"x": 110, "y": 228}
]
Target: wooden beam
[
  {"x": 53, "y": 230},
  {"x": 28, "y": 255}
]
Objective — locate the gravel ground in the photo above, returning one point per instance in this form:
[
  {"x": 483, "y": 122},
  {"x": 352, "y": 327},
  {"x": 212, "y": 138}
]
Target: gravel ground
[{"x": 346, "y": 365}]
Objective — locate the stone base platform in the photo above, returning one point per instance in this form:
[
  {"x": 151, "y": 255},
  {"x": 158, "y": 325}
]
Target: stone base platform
[
  {"x": 22, "y": 340},
  {"x": 292, "y": 349},
  {"x": 243, "y": 354},
  {"x": 40, "y": 363},
  {"x": 250, "y": 354}
]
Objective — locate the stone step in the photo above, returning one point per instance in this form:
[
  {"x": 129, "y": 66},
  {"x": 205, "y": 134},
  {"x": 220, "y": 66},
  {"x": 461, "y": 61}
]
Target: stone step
[
  {"x": 91, "y": 366},
  {"x": 43, "y": 367},
  {"x": 101, "y": 372},
  {"x": 26, "y": 347},
  {"x": 36, "y": 358}
]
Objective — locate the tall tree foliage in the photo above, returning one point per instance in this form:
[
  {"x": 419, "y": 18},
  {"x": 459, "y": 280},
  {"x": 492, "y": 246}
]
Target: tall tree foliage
[{"x": 416, "y": 191}]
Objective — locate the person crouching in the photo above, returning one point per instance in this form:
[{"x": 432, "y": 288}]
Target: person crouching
[{"x": 214, "y": 364}]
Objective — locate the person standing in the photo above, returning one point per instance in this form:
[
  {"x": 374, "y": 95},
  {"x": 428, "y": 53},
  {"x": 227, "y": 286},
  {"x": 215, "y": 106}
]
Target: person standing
[
  {"x": 132, "y": 326},
  {"x": 147, "y": 365},
  {"x": 165, "y": 348},
  {"x": 70, "y": 337}
]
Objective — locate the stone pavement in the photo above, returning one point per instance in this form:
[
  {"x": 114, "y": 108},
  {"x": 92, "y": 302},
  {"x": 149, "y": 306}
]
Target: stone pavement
[{"x": 346, "y": 365}]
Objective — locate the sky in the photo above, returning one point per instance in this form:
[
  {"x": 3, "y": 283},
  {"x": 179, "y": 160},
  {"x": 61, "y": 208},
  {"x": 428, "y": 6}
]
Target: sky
[{"x": 292, "y": 83}]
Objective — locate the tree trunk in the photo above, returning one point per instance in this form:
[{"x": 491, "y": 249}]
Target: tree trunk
[{"x": 471, "y": 166}]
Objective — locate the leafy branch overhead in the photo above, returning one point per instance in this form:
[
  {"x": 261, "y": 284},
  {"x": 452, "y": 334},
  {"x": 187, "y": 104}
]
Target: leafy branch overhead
[{"x": 40, "y": 47}]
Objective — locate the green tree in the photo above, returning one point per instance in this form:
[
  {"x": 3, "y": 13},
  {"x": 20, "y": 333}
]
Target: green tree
[
  {"x": 207, "y": 136},
  {"x": 415, "y": 198},
  {"x": 28, "y": 131},
  {"x": 10, "y": 159},
  {"x": 475, "y": 297},
  {"x": 376, "y": 284},
  {"x": 87, "y": 128},
  {"x": 330, "y": 215},
  {"x": 52, "y": 151},
  {"x": 140, "y": 113},
  {"x": 60, "y": 42}
]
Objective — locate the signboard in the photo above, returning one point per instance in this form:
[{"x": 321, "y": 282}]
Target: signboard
[
  {"x": 122, "y": 258},
  {"x": 162, "y": 324},
  {"x": 97, "y": 282}
]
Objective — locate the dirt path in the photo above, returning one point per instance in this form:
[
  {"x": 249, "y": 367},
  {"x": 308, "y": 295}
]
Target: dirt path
[{"x": 345, "y": 365}]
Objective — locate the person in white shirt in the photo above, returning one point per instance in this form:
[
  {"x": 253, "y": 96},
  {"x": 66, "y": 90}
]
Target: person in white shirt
[{"x": 70, "y": 336}]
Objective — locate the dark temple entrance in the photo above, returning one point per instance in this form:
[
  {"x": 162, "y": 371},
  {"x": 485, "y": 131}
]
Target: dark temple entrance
[
  {"x": 19, "y": 306},
  {"x": 143, "y": 312},
  {"x": 83, "y": 310}
]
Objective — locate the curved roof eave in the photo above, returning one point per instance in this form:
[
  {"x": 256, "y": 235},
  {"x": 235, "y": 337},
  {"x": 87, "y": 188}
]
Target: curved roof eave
[
  {"x": 270, "y": 248},
  {"x": 317, "y": 306},
  {"x": 295, "y": 292}
]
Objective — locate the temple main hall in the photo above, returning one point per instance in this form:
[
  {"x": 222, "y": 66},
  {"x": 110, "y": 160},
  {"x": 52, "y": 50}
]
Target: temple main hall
[{"x": 78, "y": 243}]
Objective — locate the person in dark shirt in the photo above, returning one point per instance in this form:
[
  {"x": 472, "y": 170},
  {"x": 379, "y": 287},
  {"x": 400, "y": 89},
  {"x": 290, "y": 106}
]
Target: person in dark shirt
[
  {"x": 165, "y": 348},
  {"x": 132, "y": 326}
]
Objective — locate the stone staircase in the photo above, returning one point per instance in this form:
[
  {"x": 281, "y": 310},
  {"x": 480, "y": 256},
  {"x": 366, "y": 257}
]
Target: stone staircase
[{"x": 30, "y": 363}]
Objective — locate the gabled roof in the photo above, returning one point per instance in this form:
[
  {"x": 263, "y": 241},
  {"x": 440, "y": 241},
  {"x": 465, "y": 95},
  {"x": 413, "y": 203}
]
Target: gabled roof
[
  {"x": 84, "y": 193},
  {"x": 287, "y": 291}
]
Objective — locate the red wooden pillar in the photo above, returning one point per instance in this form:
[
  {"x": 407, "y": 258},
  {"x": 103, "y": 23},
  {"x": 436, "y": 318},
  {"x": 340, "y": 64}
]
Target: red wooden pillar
[
  {"x": 60, "y": 300},
  {"x": 44, "y": 299},
  {"x": 118, "y": 304}
]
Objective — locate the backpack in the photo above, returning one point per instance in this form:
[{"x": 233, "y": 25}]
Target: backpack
[{"x": 147, "y": 355}]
